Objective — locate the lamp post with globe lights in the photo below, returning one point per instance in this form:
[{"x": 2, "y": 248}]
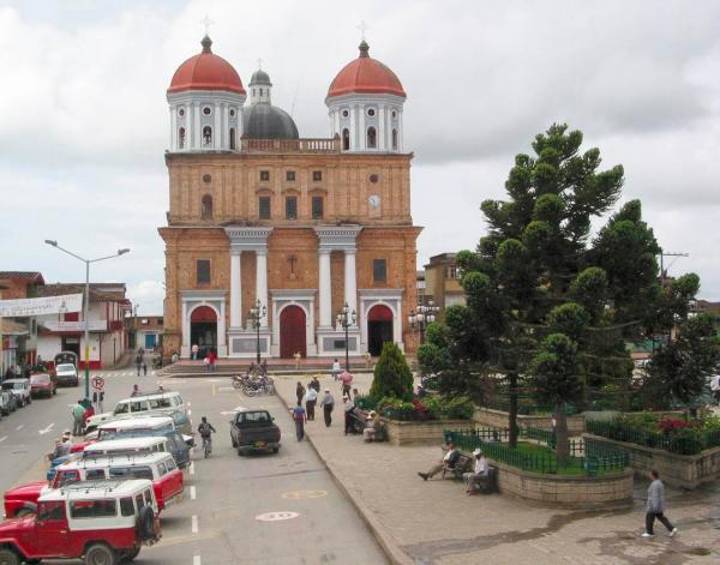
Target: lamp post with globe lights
[
  {"x": 86, "y": 302},
  {"x": 423, "y": 315},
  {"x": 345, "y": 319},
  {"x": 257, "y": 313}
]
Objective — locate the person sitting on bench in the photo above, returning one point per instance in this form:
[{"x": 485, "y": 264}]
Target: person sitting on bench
[
  {"x": 373, "y": 426},
  {"x": 448, "y": 462},
  {"x": 479, "y": 472}
]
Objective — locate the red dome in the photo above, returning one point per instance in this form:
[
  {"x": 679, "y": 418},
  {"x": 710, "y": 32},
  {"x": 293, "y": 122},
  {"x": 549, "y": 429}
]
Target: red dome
[
  {"x": 366, "y": 75},
  {"x": 206, "y": 71}
]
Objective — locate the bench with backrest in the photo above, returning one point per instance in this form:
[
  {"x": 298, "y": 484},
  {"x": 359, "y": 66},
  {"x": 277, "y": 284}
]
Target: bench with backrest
[{"x": 464, "y": 464}]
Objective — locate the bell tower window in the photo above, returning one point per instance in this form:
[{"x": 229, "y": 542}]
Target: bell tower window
[
  {"x": 181, "y": 138},
  {"x": 206, "y": 209},
  {"x": 371, "y": 138},
  {"x": 394, "y": 140},
  {"x": 207, "y": 135},
  {"x": 346, "y": 139},
  {"x": 232, "y": 138}
]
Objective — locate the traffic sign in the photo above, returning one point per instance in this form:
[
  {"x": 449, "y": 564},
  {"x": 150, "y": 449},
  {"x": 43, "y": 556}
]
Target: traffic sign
[{"x": 98, "y": 383}]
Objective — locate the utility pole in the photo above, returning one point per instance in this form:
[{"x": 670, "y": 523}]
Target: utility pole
[{"x": 662, "y": 261}]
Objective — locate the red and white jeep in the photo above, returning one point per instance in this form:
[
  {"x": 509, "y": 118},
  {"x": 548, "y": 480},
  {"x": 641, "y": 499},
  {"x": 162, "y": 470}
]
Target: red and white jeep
[
  {"x": 101, "y": 522},
  {"x": 160, "y": 468}
]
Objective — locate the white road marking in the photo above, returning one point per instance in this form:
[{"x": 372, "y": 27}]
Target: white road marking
[
  {"x": 194, "y": 524},
  {"x": 276, "y": 516},
  {"x": 2, "y": 439},
  {"x": 193, "y": 493},
  {"x": 197, "y": 560},
  {"x": 192, "y": 468},
  {"x": 20, "y": 427},
  {"x": 225, "y": 388},
  {"x": 47, "y": 429}
]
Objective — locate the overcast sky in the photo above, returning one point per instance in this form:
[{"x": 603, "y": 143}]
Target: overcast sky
[{"x": 84, "y": 120}]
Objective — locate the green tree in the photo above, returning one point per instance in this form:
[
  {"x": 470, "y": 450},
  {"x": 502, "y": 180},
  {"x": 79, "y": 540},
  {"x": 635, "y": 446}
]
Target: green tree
[
  {"x": 554, "y": 372},
  {"x": 680, "y": 369},
  {"x": 392, "y": 376}
]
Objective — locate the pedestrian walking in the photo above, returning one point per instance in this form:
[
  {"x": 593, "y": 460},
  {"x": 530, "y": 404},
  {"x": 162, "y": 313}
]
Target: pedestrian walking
[
  {"x": 335, "y": 370},
  {"x": 346, "y": 378},
  {"x": 144, "y": 368},
  {"x": 315, "y": 383},
  {"x": 138, "y": 363},
  {"x": 300, "y": 392},
  {"x": 349, "y": 410},
  {"x": 327, "y": 403},
  {"x": 299, "y": 417},
  {"x": 78, "y": 415},
  {"x": 310, "y": 401},
  {"x": 101, "y": 398},
  {"x": 95, "y": 398},
  {"x": 656, "y": 506}
]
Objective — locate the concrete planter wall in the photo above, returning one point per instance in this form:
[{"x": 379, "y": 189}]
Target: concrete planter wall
[
  {"x": 686, "y": 471},
  {"x": 499, "y": 419},
  {"x": 427, "y": 432},
  {"x": 581, "y": 492}
]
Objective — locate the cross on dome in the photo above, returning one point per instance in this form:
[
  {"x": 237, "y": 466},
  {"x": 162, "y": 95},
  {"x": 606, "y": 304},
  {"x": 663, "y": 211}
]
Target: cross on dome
[
  {"x": 363, "y": 27},
  {"x": 259, "y": 62},
  {"x": 207, "y": 22}
]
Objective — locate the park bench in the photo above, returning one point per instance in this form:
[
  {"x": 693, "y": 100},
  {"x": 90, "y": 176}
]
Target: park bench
[{"x": 464, "y": 464}]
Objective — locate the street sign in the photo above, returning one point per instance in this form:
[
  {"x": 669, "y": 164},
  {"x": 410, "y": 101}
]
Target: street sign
[{"x": 98, "y": 383}]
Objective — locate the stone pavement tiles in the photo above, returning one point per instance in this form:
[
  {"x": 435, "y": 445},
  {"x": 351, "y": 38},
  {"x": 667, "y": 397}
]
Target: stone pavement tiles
[{"x": 434, "y": 522}]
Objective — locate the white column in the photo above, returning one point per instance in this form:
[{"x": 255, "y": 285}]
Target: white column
[
  {"x": 401, "y": 142},
  {"x": 185, "y": 324},
  {"x": 173, "y": 128},
  {"x": 350, "y": 280},
  {"x": 381, "y": 145},
  {"x": 361, "y": 127},
  {"x": 261, "y": 291},
  {"x": 217, "y": 134},
  {"x": 197, "y": 128},
  {"x": 336, "y": 115},
  {"x": 353, "y": 128},
  {"x": 325, "y": 288},
  {"x": 235, "y": 291},
  {"x": 221, "y": 330}
]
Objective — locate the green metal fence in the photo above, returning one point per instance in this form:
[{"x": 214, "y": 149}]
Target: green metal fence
[{"x": 493, "y": 443}]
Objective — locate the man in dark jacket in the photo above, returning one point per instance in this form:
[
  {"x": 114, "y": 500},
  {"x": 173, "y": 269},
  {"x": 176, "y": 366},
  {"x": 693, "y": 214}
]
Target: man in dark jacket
[
  {"x": 448, "y": 462},
  {"x": 655, "y": 507}
]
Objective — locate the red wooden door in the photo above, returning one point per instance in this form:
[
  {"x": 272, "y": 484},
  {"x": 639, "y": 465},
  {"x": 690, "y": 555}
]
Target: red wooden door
[{"x": 292, "y": 332}]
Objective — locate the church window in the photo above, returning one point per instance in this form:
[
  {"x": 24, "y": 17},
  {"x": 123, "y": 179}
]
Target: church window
[
  {"x": 371, "y": 138},
  {"x": 181, "y": 112},
  {"x": 317, "y": 207},
  {"x": 346, "y": 139},
  {"x": 264, "y": 207},
  {"x": 379, "y": 270},
  {"x": 394, "y": 139},
  {"x": 291, "y": 207},
  {"x": 207, "y": 135},
  {"x": 207, "y": 110},
  {"x": 345, "y": 113},
  {"x": 317, "y": 176},
  {"x": 394, "y": 114},
  {"x": 232, "y": 138},
  {"x": 290, "y": 176},
  {"x": 181, "y": 138},
  {"x": 232, "y": 112},
  {"x": 203, "y": 271},
  {"x": 261, "y": 92},
  {"x": 264, "y": 175},
  {"x": 371, "y": 112},
  {"x": 206, "y": 209}
]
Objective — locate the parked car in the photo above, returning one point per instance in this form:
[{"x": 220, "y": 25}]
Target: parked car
[
  {"x": 254, "y": 430},
  {"x": 160, "y": 468},
  {"x": 8, "y": 402},
  {"x": 20, "y": 388},
  {"x": 67, "y": 374},
  {"x": 101, "y": 522},
  {"x": 42, "y": 384},
  {"x": 167, "y": 403}
]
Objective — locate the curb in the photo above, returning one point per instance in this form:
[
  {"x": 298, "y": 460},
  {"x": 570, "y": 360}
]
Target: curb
[{"x": 387, "y": 542}]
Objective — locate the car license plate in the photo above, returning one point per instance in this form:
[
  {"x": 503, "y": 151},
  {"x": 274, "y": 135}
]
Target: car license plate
[{"x": 259, "y": 444}]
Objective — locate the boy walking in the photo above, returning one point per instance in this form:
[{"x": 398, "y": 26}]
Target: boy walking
[{"x": 656, "y": 506}]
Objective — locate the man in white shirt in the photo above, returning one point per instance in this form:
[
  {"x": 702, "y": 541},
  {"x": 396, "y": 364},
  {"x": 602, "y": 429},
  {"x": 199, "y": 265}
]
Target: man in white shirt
[
  {"x": 479, "y": 472},
  {"x": 449, "y": 461},
  {"x": 310, "y": 401},
  {"x": 715, "y": 387},
  {"x": 336, "y": 369}
]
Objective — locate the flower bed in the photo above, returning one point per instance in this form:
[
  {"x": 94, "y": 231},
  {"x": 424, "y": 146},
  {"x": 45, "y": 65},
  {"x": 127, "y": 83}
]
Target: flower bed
[{"x": 497, "y": 418}]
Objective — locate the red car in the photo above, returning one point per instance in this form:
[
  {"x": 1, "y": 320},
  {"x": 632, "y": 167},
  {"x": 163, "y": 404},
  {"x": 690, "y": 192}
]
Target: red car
[
  {"x": 42, "y": 384},
  {"x": 160, "y": 468}
]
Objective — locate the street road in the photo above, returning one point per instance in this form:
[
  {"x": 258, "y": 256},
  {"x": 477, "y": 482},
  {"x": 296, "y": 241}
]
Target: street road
[{"x": 275, "y": 509}]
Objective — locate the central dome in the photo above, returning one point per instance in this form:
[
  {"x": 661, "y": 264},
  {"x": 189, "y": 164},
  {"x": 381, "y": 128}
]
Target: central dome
[{"x": 264, "y": 121}]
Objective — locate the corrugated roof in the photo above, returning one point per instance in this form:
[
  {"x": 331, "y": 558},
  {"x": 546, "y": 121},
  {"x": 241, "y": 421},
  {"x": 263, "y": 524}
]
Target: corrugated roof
[
  {"x": 32, "y": 276},
  {"x": 99, "y": 292}
]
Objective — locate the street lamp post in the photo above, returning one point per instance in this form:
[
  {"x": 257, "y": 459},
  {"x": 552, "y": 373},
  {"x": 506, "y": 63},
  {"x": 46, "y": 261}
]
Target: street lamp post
[
  {"x": 423, "y": 315},
  {"x": 86, "y": 302},
  {"x": 257, "y": 313},
  {"x": 347, "y": 318}
]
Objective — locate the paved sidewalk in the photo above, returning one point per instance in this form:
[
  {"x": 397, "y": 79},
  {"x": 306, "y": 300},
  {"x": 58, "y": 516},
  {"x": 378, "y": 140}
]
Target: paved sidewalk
[{"x": 436, "y": 523}]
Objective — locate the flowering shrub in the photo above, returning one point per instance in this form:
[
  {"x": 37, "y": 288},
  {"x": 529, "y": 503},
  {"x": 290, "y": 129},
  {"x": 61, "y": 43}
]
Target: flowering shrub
[
  {"x": 670, "y": 425},
  {"x": 430, "y": 408}
]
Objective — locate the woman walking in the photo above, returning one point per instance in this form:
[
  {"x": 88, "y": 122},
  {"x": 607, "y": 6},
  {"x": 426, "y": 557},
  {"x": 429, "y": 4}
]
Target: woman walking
[{"x": 299, "y": 417}]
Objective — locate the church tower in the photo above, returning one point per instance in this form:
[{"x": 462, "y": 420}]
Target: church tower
[
  {"x": 206, "y": 98},
  {"x": 365, "y": 103}
]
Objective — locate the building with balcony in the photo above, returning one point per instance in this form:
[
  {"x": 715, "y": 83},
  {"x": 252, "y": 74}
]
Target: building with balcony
[{"x": 442, "y": 283}]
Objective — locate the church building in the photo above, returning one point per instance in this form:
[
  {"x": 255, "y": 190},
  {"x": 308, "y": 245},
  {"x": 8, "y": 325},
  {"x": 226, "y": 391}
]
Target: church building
[{"x": 259, "y": 215}]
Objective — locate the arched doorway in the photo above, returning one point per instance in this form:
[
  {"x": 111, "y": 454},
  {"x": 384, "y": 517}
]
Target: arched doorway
[
  {"x": 203, "y": 330},
  {"x": 379, "y": 328},
  {"x": 292, "y": 332}
]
